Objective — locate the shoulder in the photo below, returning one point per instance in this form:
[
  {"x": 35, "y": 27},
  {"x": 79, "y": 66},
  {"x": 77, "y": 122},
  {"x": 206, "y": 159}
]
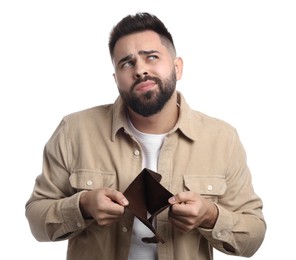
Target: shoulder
[
  {"x": 98, "y": 112},
  {"x": 194, "y": 123},
  {"x": 213, "y": 126},
  {"x": 212, "y": 122},
  {"x": 88, "y": 120}
]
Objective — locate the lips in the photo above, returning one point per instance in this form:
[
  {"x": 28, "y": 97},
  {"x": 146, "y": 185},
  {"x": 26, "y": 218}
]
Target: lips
[{"x": 145, "y": 85}]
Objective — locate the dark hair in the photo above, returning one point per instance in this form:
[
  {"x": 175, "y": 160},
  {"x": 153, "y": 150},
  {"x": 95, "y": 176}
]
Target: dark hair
[{"x": 138, "y": 23}]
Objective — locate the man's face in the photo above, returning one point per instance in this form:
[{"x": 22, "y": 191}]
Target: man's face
[{"x": 145, "y": 72}]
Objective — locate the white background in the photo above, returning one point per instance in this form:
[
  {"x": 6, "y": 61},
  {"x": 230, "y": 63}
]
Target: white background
[{"x": 240, "y": 66}]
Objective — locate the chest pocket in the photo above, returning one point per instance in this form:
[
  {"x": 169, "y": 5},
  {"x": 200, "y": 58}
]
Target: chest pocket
[
  {"x": 209, "y": 187},
  {"x": 90, "y": 180}
]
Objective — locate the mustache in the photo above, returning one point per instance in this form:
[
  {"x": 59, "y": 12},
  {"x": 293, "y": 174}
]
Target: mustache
[{"x": 139, "y": 80}]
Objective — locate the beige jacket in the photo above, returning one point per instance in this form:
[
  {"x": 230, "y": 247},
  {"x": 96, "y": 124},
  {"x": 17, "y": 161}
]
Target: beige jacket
[{"x": 93, "y": 148}]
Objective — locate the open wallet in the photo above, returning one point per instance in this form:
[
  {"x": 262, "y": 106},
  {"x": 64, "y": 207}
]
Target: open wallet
[{"x": 146, "y": 195}]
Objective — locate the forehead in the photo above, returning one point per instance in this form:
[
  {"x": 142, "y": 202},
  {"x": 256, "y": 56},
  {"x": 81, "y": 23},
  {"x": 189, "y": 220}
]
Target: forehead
[{"x": 133, "y": 43}]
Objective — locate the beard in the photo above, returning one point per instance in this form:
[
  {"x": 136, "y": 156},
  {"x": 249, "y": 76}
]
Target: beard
[{"x": 152, "y": 101}]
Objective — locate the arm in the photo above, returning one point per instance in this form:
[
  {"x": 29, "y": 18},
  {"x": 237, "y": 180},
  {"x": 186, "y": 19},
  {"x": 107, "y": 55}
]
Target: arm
[
  {"x": 53, "y": 208},
  {"x": 58, "y": 208},
  {"x": 235, "y": 224}
]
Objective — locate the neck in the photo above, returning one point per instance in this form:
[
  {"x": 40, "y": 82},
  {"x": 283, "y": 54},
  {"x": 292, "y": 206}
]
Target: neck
[{"x": 159, "y": 123}]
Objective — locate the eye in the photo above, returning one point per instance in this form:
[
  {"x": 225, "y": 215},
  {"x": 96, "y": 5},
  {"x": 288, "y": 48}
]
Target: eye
[
  {"x": 127, "y": 64},
  {"x": 152, "y": 57}
]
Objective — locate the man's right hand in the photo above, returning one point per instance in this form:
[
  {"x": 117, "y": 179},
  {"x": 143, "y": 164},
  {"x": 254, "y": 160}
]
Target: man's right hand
[{"x": 105, "y": 205}]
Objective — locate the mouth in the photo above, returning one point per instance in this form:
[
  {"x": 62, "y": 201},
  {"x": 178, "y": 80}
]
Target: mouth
[{"x": 145, "y": 86}]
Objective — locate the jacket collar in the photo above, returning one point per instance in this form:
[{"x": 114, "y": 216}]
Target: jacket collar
[{"x": 187, "y": 123}]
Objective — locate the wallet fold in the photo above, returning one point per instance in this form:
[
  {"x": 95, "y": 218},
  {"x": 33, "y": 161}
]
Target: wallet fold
[{"x": 146, "y": 195}]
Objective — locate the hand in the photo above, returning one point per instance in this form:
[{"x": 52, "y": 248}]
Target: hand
[
  {"x": 190, "y": 210},
  {"x": 104, "y": 205}
]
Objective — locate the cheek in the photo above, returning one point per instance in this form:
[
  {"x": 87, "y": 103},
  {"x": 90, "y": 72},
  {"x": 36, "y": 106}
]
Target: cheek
[
  {"x": 161, "y": 69},
  {"x": 164, "y": 69},
  {"x": 122, "y": 81}
]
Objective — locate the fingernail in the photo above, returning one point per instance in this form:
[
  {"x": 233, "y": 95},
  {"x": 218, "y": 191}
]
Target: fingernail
[
  {"x": 172, "y": 200},
  {"x": 124, "y": 201}
]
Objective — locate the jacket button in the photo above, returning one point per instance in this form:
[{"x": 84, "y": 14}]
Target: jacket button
[
  {"x": 136, "y": 152},
  {"x": 89, "y": 183},
  {"x": 124, "y": 229},
  {"x": 210, "y": 187}
]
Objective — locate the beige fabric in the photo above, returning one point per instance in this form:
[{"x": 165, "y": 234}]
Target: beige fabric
[{"x": 93, "y": 149}]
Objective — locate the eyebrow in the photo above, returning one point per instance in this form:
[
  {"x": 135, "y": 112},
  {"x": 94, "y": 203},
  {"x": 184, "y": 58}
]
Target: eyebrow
[{"x": 141, "y": 52}]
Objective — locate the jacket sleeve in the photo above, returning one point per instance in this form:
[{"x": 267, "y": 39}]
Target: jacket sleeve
[
  {"x": 240, "y": 227},
  {"x": 53, "y": 209}
]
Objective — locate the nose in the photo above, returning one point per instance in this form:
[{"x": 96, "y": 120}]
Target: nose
[{"x": 140, "y": 70}]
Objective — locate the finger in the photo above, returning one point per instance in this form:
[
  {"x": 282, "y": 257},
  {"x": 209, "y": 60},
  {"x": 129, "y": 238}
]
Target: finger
[
  {"x": 182, "y": 209},
  {"x": 110, "y": 207},
  {"x": 179, "y": 218},
  {"x": 117, "y": 197},
  {"x": 179, "y": 224},
  {"x": 110, "y": 215},
  {"x": 107, "y": 220},
  {"x": 182, "y": 197}
]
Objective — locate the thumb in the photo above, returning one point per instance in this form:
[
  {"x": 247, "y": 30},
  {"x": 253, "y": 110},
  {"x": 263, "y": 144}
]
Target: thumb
[
  {"x": 117, "y": 197},
  {"x": 173, "y": 200}
]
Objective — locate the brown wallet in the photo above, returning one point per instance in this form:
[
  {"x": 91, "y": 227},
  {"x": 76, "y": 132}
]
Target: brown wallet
[{"x": 146, "y": 194}]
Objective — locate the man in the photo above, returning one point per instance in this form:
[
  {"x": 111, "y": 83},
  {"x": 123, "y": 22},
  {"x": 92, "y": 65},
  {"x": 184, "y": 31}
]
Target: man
[{"x": 95, "y": 154}]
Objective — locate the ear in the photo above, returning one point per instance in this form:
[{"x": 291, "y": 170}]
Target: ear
[
  {"x": 178, "y": 67},
  {"x": 114, "y": 77}
]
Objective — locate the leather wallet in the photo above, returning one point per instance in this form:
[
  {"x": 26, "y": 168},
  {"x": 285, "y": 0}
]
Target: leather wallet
[{"x": 146, "y": 194}]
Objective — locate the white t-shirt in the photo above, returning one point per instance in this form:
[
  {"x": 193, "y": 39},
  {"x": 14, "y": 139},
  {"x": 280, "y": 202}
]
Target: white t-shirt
[{"x": 150, "y": 145}]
